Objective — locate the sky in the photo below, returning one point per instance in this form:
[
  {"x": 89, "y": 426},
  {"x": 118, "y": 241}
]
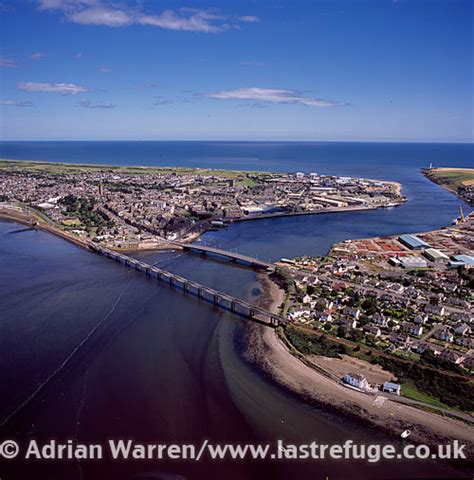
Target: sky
[{"x": 302, "y": 70}]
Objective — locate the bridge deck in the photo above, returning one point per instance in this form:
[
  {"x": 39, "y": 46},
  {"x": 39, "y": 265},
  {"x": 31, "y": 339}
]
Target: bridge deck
[
  {"x": 251, "y": 311},
  {"x": 225, "y": 253}
]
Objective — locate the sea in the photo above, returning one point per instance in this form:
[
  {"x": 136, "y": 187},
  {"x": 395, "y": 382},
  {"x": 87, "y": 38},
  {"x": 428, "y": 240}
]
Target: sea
[{"x": 91, "y": 351}]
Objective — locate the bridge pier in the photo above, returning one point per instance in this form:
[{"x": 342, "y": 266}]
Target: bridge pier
[{"x": 218, "y": 299}]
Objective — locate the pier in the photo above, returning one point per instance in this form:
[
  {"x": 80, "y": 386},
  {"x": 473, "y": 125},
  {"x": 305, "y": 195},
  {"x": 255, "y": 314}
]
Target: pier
[{"x": 219, "y": 299}]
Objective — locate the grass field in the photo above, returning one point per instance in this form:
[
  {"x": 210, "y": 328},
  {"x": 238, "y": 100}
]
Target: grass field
[
  {"x": 452, "y": 177},
  {"x": 54, "y": 168},
  {"x": 410, "y": 391}
]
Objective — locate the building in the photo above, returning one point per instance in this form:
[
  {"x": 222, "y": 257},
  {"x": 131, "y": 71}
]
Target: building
[
  {"x": 464, "y": 341},
  {"x": 435, "y": 309},
  {"x": 420, "y": 319},
  {"x": 400, "y": 339},
  {"x": 346, "y": 322},
  {"x": 413, "y": 262},
  {"x": 435, "y": 255},
  {"x": 445, "y": 335},
  {"x": 430, "y": 347},
  {"x": 379, "y": 319},
  {"x": 464, "y": 259},
  {"x": 391, "y": 387},
  {"x": 351, "y": 312},
  {"x": 356, "y": 380},
  {"x": 462, "y": 329},
  {"x": 413, "y": 242},
  {"x": 412, "y": 329},
  {"x": 372, "y": 330}
]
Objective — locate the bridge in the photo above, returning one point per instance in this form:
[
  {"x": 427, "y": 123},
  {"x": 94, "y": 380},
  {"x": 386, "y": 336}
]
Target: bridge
[
  {"x": 219, "y": 299},
  {"x": 236, "y": 257}
]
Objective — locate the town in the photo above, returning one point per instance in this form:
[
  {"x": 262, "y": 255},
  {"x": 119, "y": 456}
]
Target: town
[
  {"x": 139, "y": 208},
  {"x": 407, "y": 297}
]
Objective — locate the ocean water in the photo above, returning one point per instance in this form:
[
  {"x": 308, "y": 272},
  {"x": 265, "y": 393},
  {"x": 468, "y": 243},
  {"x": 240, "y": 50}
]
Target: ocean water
[{"x": 155, "y": 365}]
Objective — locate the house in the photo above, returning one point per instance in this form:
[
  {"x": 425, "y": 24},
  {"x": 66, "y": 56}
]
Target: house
[
  {"x": 452, "y": 357},
  {"x": 434, "y": 309},
  {"x": 391, "y": 387},
  {"x": 445, "y": 335},
  {"x": 373, "y": 330},
  {"x": 324, "y": 317},
  {"x": 351, "y": 312},
  {"x": 307, "y": 299},
  {"x": 469, "y": 363},
  {"x": 462, "y": 329},
  {"x": 462, "y": 317},
  {"x": 420, "y": 319},
  {"x": 396, "y": 288},
  {"x": 430, "y": 347},
  {"x": 299, "y": 312},
  {"x": 356, "y": 380},
  {"x": 379, "y": 319},
  {"x": 324, "y": 303},
  {"x": 400, "y": 339},
  {"x": 347, "y": 322},
  {"x": 464, "y": 341},
  {"x": 412, "y": 329}
]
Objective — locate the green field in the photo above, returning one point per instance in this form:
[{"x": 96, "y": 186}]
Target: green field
[
  {"x": 452, "y": 177},
  {"x": 53, "y": 168}
]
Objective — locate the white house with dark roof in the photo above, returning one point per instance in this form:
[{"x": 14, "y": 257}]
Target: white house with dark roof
[{"x": 356, "y": 380}]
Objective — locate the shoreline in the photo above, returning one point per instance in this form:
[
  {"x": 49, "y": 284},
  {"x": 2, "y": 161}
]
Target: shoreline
[
  {"x": 267, "y": 351},
  {"x": 438, "y": 180}
]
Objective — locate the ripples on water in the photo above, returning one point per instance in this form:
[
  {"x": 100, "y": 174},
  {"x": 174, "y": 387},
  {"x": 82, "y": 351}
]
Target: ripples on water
[{"x": 159, "y": 367}]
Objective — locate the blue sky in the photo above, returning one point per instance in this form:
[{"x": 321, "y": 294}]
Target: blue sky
[{"x": 382, "y": 70}]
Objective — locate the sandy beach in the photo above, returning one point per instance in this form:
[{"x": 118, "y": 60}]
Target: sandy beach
[{"x": 270, "y": 354}]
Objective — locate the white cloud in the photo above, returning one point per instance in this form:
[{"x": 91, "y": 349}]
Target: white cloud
[
  {"x": 104, "y": 69},
  {"x": 7, "y": 62},
  {"x": 89, "y": 104},
  {"x": 16, "y": 103},
  {"x": 64, "y": 88},
  {"x": 110, "y": 17},
  {"x": 37, "y": 56},
  {"x": 112, "y": 14},
  {"x": 78, "y": 55},
  {"x": 187, "y": 20},
  {"x": 272, "y": 95},
  {"x": 249, "y": 19}
]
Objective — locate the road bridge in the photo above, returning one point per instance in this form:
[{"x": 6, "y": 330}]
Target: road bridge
[
  {"x": 237, "y": 257},
  {"x": 219, "y": 299}
]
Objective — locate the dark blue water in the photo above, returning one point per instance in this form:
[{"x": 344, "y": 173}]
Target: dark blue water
[{"x": 158, "y": 366}]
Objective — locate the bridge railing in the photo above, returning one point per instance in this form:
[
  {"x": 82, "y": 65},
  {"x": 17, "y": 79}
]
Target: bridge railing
[{"x": 173, "y": 280}]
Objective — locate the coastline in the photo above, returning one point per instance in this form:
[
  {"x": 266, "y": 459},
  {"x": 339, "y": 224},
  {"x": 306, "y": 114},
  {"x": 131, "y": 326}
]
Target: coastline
[
  {"x": 442, "y": 182},
  {"x": 268, "y": 353}
]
